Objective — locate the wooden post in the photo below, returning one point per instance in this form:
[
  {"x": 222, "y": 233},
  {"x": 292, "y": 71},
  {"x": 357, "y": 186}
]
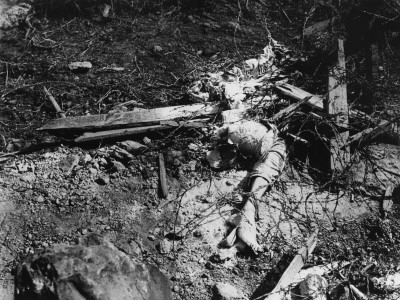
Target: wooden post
[
  {"x": 336, "y": 105},
  {"x": 54, "y": 102},
  {"x": 163, "y": 177},
  {"x": 375, "y": 61}
]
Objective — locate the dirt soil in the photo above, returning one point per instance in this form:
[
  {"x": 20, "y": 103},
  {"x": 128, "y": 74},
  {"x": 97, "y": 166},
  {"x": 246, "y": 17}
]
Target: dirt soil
[{"x": 62, "y": 190}]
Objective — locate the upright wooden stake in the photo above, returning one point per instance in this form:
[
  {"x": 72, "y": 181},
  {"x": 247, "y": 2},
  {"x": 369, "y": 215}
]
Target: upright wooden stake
[
  {"x": 163, "y": 176},
  {"x": 375, "y": 61},
  {"x": 336, "y": 105},
  {"x": 55, "y": 104}
]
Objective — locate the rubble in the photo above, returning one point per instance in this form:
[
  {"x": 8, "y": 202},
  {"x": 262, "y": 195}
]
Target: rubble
[
  {"x": 80, "y": 66},
  {"x": 225, "y": 291},
  {"x": 389, "y": 283},
  {"x": 132, "y": 146},
  {"x": 103, "y": 180},
  {"x": 314, "y": 287},
  {"x": 165, "y": 246},
  {"x": 15, "y": 15}
]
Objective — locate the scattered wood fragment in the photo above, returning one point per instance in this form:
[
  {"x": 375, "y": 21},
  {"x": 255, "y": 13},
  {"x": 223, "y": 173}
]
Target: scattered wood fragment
[
  {"x": 387, "y": 202},
  {"x": 320, "y": 26},
  {"x": 131, "y": 119},
  {"x": 297, "y": 138},
  {"x": 163, "y": 176},
  {"x": 291, "y": 271},
  {"x": 337, "y": 106},
  {"x": 315, "y": 102},
  {"x": 53, "y": 101}
]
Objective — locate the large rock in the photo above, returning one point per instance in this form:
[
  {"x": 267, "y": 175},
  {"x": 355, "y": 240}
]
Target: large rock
[{"x": 93, "y": 270}]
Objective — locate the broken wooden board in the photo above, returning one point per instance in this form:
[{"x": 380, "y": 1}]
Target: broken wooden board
[
  {"x": 163, "y": 176},
  {"x": 320, "y": 26},
  {"x": 286, "y": 112},
  {"x": 315, "y": 102},
  {"x": 336, "y": 105},
  {"x": 368, "y": 134},
  {"x": 131, "y": 119},
  {"x": 295, "y": 266},
  {"x": 117, "y": 133}
]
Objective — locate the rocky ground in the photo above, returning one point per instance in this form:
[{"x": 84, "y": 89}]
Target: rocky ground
[{"x": 63, "y": 191}]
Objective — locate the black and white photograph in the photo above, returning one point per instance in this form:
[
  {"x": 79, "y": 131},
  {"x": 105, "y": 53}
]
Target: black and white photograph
[{"x": 199, "y": 149}]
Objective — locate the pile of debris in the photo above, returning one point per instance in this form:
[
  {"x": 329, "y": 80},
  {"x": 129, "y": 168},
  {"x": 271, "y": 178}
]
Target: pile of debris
[{"x": 258, "y": 90}]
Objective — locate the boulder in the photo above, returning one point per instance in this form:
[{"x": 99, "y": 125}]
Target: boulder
[{"x": 95, "y": 269}]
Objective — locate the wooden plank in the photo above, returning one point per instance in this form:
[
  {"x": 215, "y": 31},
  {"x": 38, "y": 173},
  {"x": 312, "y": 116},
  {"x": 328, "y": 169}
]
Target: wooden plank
[
  {"x": 116, "y": 133},
  {"x": 163, "y": 176},
  {"x": 315, "y": 102},
  {"x": 337, "y": 106},
  {"x": 295, "y": 266},
  {"x": 131, "y": 119}
]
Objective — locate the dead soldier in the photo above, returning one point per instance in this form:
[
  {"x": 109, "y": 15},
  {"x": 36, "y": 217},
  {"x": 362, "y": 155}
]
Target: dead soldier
[{"x": 260, "y": 145}]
